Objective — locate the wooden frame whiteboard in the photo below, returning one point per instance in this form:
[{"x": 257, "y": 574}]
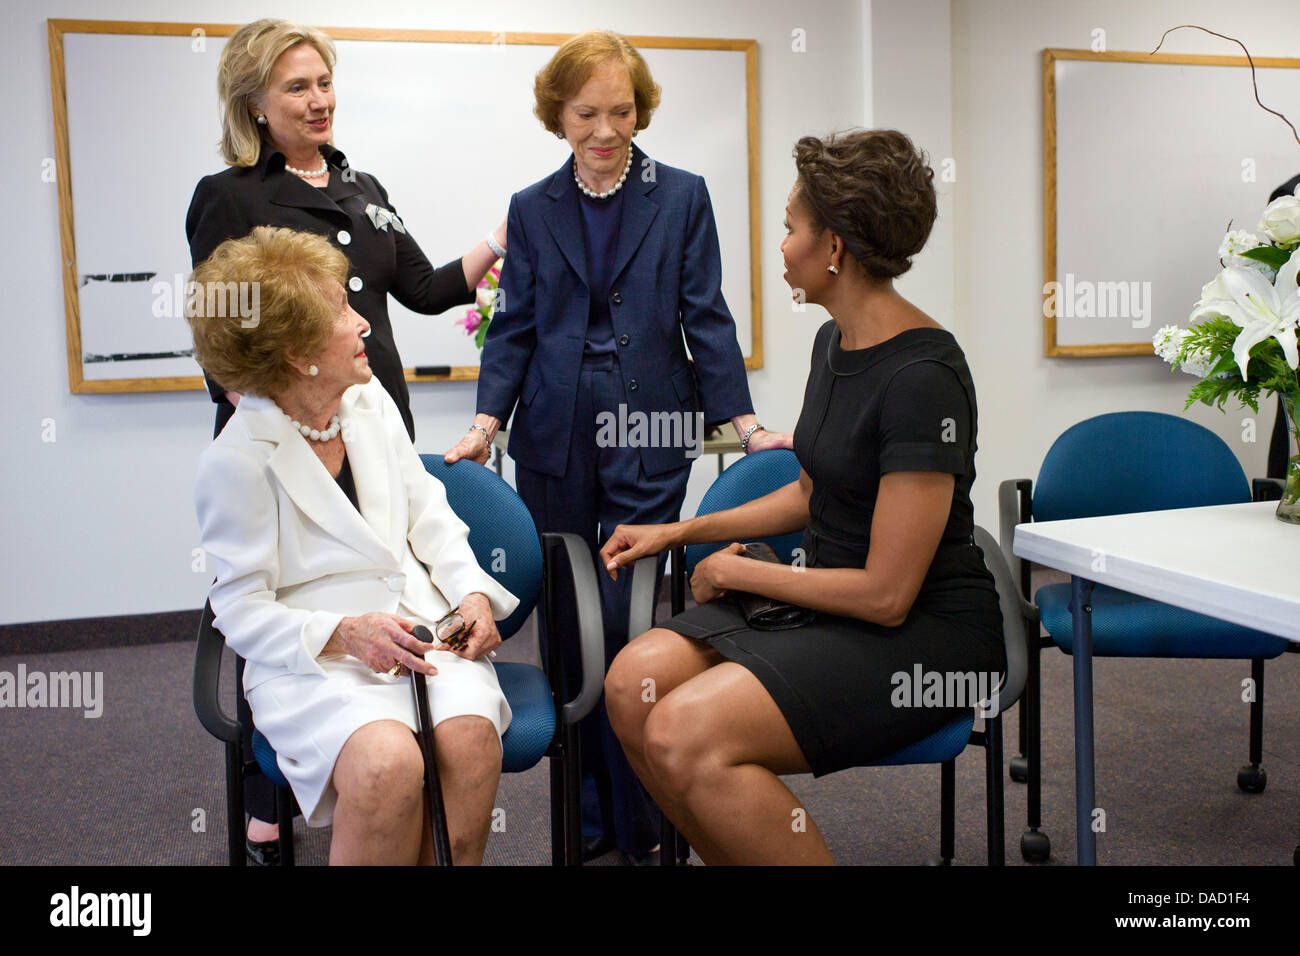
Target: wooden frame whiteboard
[
  {"x": 1146, "y": 159},
  {"x": 674, "y": 137}
]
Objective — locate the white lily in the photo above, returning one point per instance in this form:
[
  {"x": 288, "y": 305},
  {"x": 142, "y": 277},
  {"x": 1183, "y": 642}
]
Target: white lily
[{"x": 1259, "y": 309}]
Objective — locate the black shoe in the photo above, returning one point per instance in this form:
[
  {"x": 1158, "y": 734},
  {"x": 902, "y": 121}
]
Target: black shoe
[
  {"x": 263, "y": 854},
  {"x": 594, "y": 847}
]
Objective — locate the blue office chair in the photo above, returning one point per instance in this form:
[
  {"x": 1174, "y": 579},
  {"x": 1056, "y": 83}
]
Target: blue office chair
[
  {"x": 506, "y": 544},
  {"x": 1125, "y": 463},
  {"x": 763, "y": 472}
]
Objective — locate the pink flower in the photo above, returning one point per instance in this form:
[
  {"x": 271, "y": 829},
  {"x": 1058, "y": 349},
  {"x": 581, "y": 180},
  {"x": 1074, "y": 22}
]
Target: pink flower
[
  {"x": 473, "y": 319},
  {"x": 495, "y": 273}
]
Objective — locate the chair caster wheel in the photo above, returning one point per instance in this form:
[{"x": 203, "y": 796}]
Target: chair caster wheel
[
  {"x": 1252, "y": 779},
  {"x": 1019, "y": 769},
  {"x": 938, "y": 861},
  {"x": 1035, "y": 847}
]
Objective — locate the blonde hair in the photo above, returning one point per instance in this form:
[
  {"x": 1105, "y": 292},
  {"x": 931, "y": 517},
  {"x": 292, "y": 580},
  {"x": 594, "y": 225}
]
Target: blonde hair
[
  {"x": 291, "y": 275},
  {"x": 245, "y": 72},
  {"x": 572, "y": 65}
]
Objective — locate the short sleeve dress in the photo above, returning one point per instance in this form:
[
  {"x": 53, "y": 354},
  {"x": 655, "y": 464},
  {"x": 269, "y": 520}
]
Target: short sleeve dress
[{"x": 852, "y": 691}]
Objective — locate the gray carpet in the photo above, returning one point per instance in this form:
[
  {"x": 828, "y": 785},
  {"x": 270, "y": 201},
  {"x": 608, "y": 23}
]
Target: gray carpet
[{"x": 143, "y": 783}]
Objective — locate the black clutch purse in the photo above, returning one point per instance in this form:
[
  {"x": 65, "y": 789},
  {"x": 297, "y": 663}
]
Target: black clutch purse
[{"x": 768, "y": 614}]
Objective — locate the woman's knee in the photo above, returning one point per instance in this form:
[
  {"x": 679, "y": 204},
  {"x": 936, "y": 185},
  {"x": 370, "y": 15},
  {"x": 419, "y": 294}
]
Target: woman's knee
[
  {"x": 468, "y": 745},
  {"x": 380, "y": 762},
  {"x": 679, "y": 742},
  {"x": 632, "y": 685}
]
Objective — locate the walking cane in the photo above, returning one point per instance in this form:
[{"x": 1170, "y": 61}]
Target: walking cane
[{"x": 432, "y": 790}]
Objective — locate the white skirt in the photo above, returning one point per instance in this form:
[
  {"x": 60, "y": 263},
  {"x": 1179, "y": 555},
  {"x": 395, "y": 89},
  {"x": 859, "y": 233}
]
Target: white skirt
[{"x": 308, "y": 719}]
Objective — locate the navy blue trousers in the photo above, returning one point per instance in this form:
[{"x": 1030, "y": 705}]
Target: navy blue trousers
[{"x": 601, "y": 489}]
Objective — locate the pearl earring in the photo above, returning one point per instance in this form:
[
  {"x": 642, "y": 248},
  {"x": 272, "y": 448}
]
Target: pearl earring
[
  {"x": 832, "y": 270},
  {"x": 312, "y": 370},
  {"x": 261, "y": 119}
]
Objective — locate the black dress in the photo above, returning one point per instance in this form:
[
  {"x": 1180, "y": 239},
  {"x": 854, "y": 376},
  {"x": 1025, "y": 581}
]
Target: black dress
[{"x": 907, "y": 404}]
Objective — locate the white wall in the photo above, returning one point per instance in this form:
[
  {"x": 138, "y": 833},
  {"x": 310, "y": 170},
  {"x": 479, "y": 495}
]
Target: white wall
[
  {"x": 1025, "y": 399},
  {"x": 101, "y": 521}
]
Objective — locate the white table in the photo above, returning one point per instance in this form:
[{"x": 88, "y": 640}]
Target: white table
[{"x": 1234, "y": 562}]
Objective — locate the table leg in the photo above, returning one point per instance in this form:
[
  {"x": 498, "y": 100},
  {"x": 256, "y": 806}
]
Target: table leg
[{"x": 1085, "y": 789}]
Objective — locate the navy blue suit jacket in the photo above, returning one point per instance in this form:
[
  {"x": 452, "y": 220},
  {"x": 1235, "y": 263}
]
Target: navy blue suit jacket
[{"x": 666, "y": 283}]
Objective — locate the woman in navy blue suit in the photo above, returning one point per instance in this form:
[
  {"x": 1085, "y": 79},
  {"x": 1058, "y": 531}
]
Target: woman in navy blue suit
[{"x": 614, "y": 269}]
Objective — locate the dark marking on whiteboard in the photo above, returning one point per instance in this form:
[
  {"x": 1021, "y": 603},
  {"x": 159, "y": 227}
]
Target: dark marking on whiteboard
[
  {"x": 117, "y": 277},
  {"x": 91, "y": 358}
]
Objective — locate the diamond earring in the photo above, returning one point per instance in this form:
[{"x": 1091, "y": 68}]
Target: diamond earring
[
  {"x": 832, "y": 270},
  {"x": 312, "y": 370},
  {"x": 261, "y": 119}
]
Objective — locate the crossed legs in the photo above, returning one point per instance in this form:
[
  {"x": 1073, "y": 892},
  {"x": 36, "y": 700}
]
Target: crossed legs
[
  {"x": 709, "y": 743},
  {"x": 381, "y": 817}
]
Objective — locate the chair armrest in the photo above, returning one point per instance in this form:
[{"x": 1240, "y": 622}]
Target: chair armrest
[
  {"x": 207, "y": 680},
  {"x": 641, "y": 611},
  {"x": 1014, "y": 496},
  {"x": 591, "y": 626},
  {"x": 1266, "y": 489}
]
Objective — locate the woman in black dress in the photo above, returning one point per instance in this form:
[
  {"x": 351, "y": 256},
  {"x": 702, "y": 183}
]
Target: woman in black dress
[{"x": 710, "y": 711}]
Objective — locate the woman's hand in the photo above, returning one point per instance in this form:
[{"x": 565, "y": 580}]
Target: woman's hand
[
  {"x": 475, "y": 446},
  {"x": 762, "y": 440},
  {"x": 381, "y": 641},
  {"x": 632, "y": 541},
  {"x": 482, "y": 636},
  {"x": 708, "y": 581}
]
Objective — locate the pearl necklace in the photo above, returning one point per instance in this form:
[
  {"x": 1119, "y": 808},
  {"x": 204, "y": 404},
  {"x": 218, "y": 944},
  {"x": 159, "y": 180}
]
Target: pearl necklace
[
  {"x": 315, "y": 434},
  {"x": 609, "y": 192},
  {"x": 309, "y": 173}
]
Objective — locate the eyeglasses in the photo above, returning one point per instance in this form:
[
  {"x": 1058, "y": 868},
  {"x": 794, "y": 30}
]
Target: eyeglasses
[{"x": 451, "y": 630}]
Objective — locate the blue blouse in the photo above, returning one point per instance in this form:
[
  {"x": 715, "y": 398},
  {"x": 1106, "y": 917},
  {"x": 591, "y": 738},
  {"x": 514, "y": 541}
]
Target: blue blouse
[{"x": 600, "y": 227}]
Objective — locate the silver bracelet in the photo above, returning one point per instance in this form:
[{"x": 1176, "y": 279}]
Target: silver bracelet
[
  {"x": 744, "y": 439},
  {"x": 495, "y": 246},
  {"x": 487, "y": 439}
]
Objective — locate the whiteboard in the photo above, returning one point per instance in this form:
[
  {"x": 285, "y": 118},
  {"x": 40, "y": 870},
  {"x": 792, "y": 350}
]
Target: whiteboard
[
  {"x": 443, "y": 120},
  {"x": 1147, "y": 161}
]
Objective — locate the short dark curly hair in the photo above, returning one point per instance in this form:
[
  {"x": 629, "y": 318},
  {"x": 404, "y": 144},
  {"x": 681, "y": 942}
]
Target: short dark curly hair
[{"x": 872, "y": 188}]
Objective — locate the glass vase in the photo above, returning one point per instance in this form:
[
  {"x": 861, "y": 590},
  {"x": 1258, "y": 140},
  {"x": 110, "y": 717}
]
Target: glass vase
[{"x": 1288, "y": 509}]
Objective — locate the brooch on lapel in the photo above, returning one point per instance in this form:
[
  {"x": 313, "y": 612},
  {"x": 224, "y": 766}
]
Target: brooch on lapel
[{"x": 381, "y": 217}]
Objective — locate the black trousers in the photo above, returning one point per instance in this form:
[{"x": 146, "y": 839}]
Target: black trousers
[{"x": 602, "y": 488}]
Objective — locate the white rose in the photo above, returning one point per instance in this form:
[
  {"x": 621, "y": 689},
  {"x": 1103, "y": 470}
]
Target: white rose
[
  {"x": 1281, "y": 221},
  {"x": 1238, "y": 241}
]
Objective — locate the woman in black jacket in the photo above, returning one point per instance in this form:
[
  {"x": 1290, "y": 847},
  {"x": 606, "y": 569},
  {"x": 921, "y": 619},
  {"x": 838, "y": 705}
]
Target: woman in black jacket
[{"x": 277, "y": 97}]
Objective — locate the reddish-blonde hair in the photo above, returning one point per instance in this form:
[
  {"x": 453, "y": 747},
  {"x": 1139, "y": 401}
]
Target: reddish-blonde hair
[{"x": 572, "y": 65}]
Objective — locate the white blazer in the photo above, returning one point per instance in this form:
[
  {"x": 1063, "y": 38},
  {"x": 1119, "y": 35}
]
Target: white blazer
[{"x": 292, "y": 555}]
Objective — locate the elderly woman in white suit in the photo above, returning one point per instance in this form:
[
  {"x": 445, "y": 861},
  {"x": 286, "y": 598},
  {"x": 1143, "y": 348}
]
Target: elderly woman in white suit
[{"x": 331, "y": 544}]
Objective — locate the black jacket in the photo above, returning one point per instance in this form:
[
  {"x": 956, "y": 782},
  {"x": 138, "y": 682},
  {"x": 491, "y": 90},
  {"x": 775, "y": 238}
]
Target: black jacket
[{"x": 227, "y": 205}]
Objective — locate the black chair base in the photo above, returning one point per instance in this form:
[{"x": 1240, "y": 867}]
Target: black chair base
[
  {"x": 1252, "y": 778},
  {"x": 1035, "y": 847}
]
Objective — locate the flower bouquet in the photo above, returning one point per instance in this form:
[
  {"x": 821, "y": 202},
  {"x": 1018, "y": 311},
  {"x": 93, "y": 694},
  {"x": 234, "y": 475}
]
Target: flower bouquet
[
  {"x": 478, "y": 318},
  {"x": 1242, "y": 335}
]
